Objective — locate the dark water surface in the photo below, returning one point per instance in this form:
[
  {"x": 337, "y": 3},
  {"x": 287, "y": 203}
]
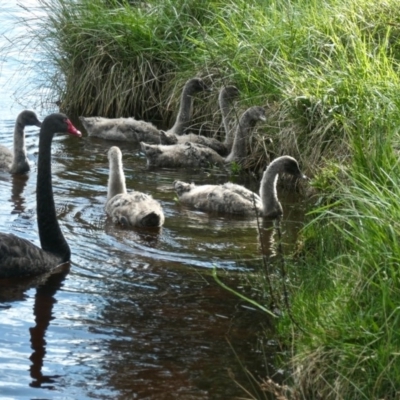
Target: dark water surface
[{"x": 137, "y": 315}]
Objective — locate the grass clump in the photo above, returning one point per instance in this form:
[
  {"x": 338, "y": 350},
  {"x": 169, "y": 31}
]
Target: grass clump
[{"x": 116, "y": 59}]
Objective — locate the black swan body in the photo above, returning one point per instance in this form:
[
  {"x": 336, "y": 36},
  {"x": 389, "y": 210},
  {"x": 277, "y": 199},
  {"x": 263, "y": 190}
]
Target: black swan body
[
  {"x": 231, "y": 198},
  {"x": 19, "y": 257},
  {"x": 133, "y": 208},
  {"x": 193, "y": 155},
  {"x": 16, "y": 161},
  {"x": 133, "y": 130}
]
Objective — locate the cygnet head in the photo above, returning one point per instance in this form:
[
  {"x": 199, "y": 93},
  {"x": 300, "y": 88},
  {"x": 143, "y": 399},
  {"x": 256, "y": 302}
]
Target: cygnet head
[
  {"x": 168, "y": 139},
  {"x": 256, "y": 113},
  {"x": 150, "y": 150},
  {"x": 230, "y": 92},
  {"x": 29, "y": 118},
  {"x": 114, "y": 155},
  {"x": 196, "y": 85},
  {"x": 182, "y": 187},
  {"x": 287, "y": 164}
]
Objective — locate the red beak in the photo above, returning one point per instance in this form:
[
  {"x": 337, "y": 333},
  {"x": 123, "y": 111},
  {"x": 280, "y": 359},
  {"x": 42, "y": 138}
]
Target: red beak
[{"x": 72, "y": 130}]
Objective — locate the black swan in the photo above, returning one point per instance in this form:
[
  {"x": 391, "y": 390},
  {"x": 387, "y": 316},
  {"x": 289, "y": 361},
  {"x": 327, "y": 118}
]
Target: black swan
[
  {"x": 16, "y": 162},
  {"x": 132, "y": 130},
  {"x": 19, "y": 257},
  {"x": 231, "y": 198},
  {"x": 195, "y": 155},
  {"x": 226, "y": 96},
  {"x": 129, "y": 209}
]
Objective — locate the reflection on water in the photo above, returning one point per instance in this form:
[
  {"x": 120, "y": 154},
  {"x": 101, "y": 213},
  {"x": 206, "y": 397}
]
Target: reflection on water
[
  {"x": 136, "y": 314},
  {"x": 18, "y": 183},
  {"x": 42, "y": 310}
]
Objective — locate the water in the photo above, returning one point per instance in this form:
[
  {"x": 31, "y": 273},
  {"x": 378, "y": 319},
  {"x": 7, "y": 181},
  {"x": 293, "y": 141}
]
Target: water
[{"x": 137, "y": 314}]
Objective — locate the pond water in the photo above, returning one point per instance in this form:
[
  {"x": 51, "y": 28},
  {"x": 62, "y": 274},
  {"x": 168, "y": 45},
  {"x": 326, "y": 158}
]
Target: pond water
[{"x": 137, "y": 314}]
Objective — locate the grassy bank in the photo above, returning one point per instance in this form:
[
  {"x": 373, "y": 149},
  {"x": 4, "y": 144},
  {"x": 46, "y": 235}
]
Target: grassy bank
[
  {"x": 328, "y": 73},
  {"x": 324, "y": 69},
  {"x": 346, "y": 284}
]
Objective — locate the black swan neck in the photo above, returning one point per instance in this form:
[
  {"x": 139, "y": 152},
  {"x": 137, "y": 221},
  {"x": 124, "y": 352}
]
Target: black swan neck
[{"x": 51, "y": 237}]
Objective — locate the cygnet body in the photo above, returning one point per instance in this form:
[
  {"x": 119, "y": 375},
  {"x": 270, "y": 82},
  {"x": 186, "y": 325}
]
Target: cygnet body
[
  {"x": 129, "y": 209},
  {"x": 212, "y": 143},
  {"x": 133, "y": 130}
]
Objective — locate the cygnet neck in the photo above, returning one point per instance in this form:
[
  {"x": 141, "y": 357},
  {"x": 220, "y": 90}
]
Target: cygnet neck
[
  {"x": 268, "y": 193},
  {"x": 116, "y": 181},
  {"x": 185, "y": 110},
  {"x": 20, "y": 160},
  {"x": 225, "y": 99},
  {"x": 239, "y": 148}
]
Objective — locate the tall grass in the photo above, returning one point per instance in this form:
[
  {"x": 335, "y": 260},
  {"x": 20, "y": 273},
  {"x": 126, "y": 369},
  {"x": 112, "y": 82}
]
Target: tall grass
[
  {"x": 116, "y": 60},
  {"x": 322, "y": 68},
  {"x": 348, "y": 283}
]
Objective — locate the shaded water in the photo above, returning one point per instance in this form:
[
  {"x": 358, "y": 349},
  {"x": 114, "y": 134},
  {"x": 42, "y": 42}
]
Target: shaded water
[{"x": 137, "y": 315}]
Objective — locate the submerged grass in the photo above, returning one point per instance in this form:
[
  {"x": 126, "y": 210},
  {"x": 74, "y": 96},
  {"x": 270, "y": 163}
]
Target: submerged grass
[{"x": 328, "y": 73}]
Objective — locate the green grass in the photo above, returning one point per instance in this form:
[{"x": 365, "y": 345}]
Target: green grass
[
  {"x": 324, "y": 69},
  {"x": 328, "y": 74},
  {"x": 347, "y": 283}
]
